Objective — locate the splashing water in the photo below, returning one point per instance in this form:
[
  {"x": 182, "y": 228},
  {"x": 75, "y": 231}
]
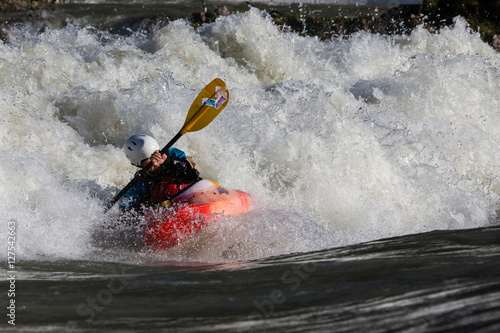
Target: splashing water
[{"x": 341, "y": 141}]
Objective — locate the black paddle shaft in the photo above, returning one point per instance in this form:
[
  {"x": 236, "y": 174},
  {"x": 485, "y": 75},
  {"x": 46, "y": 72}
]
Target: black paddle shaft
[{"x": 139, "y": 176}]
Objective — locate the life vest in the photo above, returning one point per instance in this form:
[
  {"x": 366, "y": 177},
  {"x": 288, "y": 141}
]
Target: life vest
[{"x": 166, "y": 190}]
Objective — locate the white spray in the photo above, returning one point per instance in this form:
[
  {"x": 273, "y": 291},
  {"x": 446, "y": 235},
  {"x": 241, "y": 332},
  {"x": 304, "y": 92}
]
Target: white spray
[{"x": 366, "y": 137}]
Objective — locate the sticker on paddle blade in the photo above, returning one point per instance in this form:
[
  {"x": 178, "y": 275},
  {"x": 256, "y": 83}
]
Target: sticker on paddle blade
[{"x": 219, "y": 98}]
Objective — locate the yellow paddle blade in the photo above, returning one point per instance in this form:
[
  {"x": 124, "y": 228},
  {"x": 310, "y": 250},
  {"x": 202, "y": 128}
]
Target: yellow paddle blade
[{"x": 209, "y": 103}]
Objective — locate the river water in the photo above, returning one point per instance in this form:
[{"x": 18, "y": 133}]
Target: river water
[{"x": 374, "y": 160}]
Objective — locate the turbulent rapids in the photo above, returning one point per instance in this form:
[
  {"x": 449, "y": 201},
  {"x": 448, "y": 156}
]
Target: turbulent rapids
[
  {"x": 341, "y": 141},
  {"x": 372, "y": 162}
]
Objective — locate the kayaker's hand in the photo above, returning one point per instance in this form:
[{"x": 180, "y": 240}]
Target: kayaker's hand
[{"x": 157, "y": 160}]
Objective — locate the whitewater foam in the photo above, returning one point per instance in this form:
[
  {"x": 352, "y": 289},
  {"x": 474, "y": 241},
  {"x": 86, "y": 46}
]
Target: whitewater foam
[{"x": 375, "y": 136}]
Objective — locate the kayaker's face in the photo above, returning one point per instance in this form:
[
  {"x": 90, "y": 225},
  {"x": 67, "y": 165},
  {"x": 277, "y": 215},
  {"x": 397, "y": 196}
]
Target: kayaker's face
[
  {"x": 145, "y": 162},
  {"x": 156, "y": 160}
]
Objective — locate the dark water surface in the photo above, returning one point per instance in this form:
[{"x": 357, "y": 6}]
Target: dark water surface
[{"x": 433, "y": 282}]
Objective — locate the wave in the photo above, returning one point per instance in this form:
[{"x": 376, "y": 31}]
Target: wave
[{"x": 367, "y": 137}]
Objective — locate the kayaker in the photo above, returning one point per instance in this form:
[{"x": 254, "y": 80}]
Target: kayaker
[{"x": 168, "y": 175}]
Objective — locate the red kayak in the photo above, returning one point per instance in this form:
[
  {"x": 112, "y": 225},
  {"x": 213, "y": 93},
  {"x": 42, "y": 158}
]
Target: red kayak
[{"x": 191, "y": 211}]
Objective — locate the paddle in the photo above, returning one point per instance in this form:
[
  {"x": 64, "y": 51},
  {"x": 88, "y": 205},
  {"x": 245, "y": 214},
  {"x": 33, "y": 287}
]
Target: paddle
[{"x": 207, "y": 105}]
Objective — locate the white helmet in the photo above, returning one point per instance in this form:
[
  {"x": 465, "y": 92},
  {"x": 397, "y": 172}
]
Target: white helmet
[{"x": 139, "y": 147}]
